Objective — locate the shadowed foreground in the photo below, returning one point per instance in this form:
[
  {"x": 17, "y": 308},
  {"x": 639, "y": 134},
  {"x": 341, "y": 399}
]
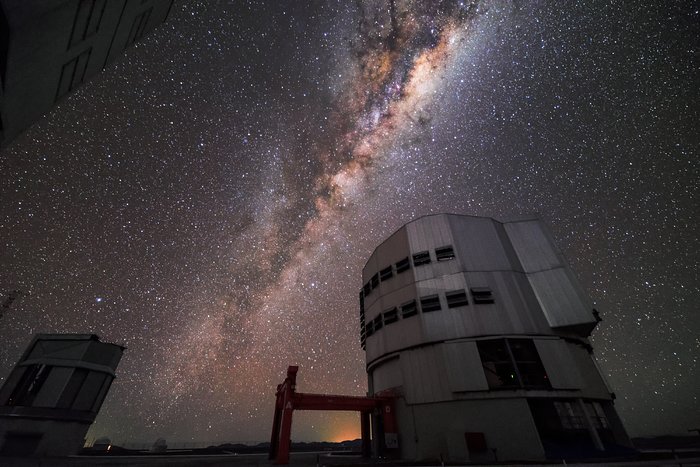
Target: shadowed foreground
[{"x": 297, "y": 459}]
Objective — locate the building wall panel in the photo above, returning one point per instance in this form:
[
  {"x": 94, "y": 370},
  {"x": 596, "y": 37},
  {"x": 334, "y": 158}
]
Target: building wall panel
[
  {"x": 478, "y": 245},
  {"x": 506, "y": 423},
  {"x": 464, "y": 369},
  {"x": 593, "y": 384},
  {"x": 559, "y": 299},
  {"x": 386, "y": 375},
  {"x": 534, "y": 249},
  {"x": 53, "y": 387},
  {"x": 559, "y": 364},
  {"x": 424, "y": 375}
]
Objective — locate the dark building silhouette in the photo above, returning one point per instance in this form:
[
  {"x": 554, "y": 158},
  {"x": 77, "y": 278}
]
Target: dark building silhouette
[
  {"x": 482, "y": 330},
  {"x": 54, "y": 394},
  {"x": 48, "y": 48}
]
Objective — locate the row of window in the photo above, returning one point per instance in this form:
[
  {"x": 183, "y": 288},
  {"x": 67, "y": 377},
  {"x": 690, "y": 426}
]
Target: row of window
[
  {"x": 84, "y": 389},
  {"x": 86, "y": 23},
  {"x": 88, "y": 17},
  {"x": 87, "y": 20},
  {"x": 444, "y": 253},
  {"x": 427, "y": 303},
  {"x": 73, "y": 73}
]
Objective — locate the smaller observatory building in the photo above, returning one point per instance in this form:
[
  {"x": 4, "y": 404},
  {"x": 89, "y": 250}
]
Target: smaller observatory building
[
  {"x": 53, "y": 395},
  {"x": 481, "y": 330}
]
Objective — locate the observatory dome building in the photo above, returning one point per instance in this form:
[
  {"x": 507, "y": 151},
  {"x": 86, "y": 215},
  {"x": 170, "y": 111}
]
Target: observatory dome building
[
  {"x": 481, "y": 330},
  {"x": 53, "y": 395}
]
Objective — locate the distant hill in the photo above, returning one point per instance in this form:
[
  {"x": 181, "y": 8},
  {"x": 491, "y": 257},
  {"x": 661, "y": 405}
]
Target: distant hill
[
  {"x": 230, "y": 448},
  {"x": 350, "y": 445}
]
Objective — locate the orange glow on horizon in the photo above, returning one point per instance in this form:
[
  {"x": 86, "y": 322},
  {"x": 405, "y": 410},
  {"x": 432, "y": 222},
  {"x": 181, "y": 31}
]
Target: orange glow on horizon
[
  {"x": 342, "y": 432},
  {"x": 340, "y": 426}
]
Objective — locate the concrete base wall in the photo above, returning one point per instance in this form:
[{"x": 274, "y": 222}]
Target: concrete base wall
[
  {"x": 52, "y": 438},
  {"x": 506, "y": 423}
]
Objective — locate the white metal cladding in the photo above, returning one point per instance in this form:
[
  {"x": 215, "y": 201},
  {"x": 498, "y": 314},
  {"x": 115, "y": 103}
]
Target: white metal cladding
[
  {"x": 386, "y": 375},
  {"x": 561, "y": 301},
  {"x": 393, "y": 249},
  {"x": 464, "y": 367},
  {"x": 507, "y": 424},
  {"x": 391, "y": 299},
  {"x": 478, "y": 245},
  {"x": 424, "y": 375},
  {"x": 511, "y": 311},
  {"x": 488, "y": 254},
  {"x": 533, "y": 246},
  {"x": 429, "y": 232},
  {"x": 396, "y": 336},
  {"x": 559, "y": 364}
]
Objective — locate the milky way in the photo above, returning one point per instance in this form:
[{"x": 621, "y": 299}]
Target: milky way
[{"x": 210, "y": 200}]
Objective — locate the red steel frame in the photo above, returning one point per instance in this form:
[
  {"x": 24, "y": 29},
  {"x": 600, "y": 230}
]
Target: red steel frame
[{"x": 288, "y": 400}]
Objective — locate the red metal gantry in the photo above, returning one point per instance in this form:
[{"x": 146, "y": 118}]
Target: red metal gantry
[{"x": 288, "y": 400}]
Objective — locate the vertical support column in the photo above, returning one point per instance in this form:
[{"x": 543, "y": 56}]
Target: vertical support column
[
  {"x": 285, "y": 395},
  {"x": 275, "y": 437},
  {"x": 366, "y": 441},
  {"x": 285, "y": 432}
]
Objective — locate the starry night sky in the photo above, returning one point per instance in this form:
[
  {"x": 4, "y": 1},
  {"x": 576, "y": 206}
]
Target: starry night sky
[{"x": 210, "y": 199}]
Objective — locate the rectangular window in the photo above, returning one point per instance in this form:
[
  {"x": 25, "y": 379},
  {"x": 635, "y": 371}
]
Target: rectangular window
[
  {"x": 497, "y": 364},
  {"x": 80, "y": 68},
  {"x": 420, "y": 258},
  {"x": 570, "y": 415},
  {"x": 391, "y": 316},
  {"x": 444, "y": 253},
  {"x": 386, "y": 273},
  {"x": 403, "y": 265},
  {"x": 29, "y": 385},
  {"x": 95, "y": 17},
  {"x": 375, "y": 281},
  {"x": 409, "y": 309},
  {"x": 597, "y": 415},
  {"x": 87, "y": 20},
  {"x": 528, "y": 363},
  {"x": 512, "y": 363},
  {"x": 367, "y": 289},
  {"x": 430, "y": 303},
  {"x": 138, "y": 27},
  {"x": 369, "y": 329},
  {"x": 456, "y": 298},
  {"x": 66, "y": 79},
  {"x": 73, "y": 74},
  {"x": 378, "y": 323},
  {"x": 482, "y": 295}
]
